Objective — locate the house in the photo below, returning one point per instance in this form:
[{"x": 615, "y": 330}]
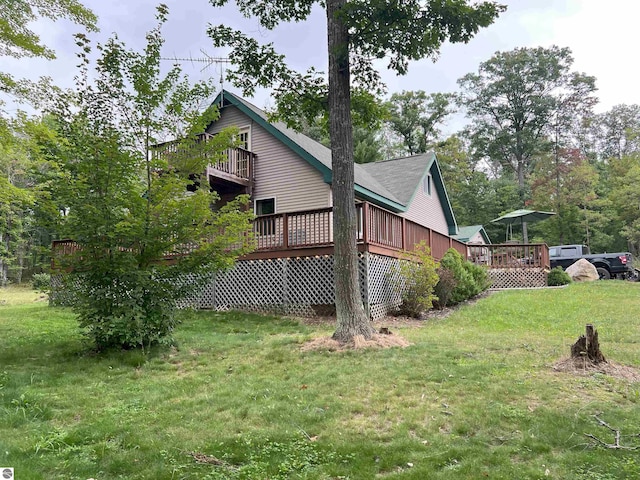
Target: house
[
  {"x": 292, "y": 172},
  {"x": 288, "y": 176},
  {"x": 474, "y": 234}
]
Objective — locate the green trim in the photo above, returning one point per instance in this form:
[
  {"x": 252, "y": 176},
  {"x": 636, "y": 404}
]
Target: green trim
[
  {"x": 373, "y": 197},
  {"x": 442, "y": 194}
]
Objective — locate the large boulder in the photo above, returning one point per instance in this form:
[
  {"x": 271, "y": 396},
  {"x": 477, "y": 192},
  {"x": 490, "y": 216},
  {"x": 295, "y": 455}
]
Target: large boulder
[{"x": 582, "y": 271}]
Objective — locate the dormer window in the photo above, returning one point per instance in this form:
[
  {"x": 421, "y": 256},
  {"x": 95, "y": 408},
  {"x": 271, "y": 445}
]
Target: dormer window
[
  {"x": 245, "y": 138},
  {"x": 426, "y": 185}
]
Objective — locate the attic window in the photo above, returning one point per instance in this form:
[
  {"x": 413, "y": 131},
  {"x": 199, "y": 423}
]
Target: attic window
[{"x": 426, "y": 185}]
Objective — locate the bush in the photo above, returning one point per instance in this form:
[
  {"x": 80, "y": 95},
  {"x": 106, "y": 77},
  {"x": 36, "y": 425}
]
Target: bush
[
  {"x": 444, "y": 288},
  {"x": 128, "y": 309},
  {"x": 470, "y": 279},
  {"x": 557, "y": 276},
  {"x": 419, "y": 278},
  {"x": 41, "y": 282}
]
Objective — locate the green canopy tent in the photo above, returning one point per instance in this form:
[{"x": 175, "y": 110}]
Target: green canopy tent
[{"x": 523, "y": 217}]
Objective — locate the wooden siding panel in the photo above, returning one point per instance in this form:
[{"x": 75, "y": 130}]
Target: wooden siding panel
[
  {"x": 427, "y": 211},
  {"x": 279, "y": 172}
]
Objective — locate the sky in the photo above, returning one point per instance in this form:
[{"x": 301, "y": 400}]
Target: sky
[{"x": 600, "y": 34}]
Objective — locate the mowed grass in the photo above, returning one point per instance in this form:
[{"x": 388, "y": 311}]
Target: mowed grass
[{"x": 474, "y": 397}]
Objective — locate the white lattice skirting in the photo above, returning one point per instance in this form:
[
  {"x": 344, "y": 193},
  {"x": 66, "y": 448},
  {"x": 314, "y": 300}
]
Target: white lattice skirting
[
  {"x": 299, "y": 286},
  {"x": 517, "y": 277},
  {"x": 291, "y": 286}
]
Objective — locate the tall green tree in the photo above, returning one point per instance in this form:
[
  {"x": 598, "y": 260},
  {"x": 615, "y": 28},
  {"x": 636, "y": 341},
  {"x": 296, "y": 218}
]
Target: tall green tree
[
  {"x": 25, "y": 240},
  {"x": 624, "y": 194},
  {"x": 618, "y": 131},
  {"x": 415, "y": 117},
  {"x": 565, "y": 182},
  {"x": 477, "y": 197},
  {"x": 18, "y": 40},
  {"x": 127, "y": 195},
  {"x": 358, "y": 31},
  {"x": 17, "y": 151},
  {"x": 15, "y": 200},
  {"x": 515, "y": 102}
]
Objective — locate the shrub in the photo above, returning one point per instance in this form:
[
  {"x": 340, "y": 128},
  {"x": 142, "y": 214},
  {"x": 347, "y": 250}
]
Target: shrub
[
  {"x": 41, "y": 282},
  {"x": 470, "y": 279},
  {"x": 128, "y": 309},
  {"x": 557, "y": 276},
  {"x": 419, "y": 278},
  {"x": 444, "y": 288}
]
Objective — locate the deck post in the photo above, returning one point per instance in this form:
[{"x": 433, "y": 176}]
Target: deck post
[
  {"x": 365, "y": 222},
  {"x": 285, "y": 230},
  {"x": 404, "y": 234}
]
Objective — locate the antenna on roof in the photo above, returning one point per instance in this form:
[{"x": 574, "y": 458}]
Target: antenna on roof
[{"x": 207, "y": 59}]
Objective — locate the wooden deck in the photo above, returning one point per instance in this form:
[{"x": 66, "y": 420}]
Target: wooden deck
[{"x": 310, "y": 233}]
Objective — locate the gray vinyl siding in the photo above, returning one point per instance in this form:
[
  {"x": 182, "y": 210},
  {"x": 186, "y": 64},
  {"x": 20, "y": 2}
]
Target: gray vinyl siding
[
  {"x": 279, "y": 172},
  {"x": 427, "y": 210}
]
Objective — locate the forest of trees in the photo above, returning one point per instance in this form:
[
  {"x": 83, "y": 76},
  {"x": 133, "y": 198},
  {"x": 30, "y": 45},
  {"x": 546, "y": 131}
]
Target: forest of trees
[{"x": 532, "y": 139}]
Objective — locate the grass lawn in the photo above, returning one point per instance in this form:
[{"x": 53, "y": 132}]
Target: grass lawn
[{"x": 474, "y": 397}]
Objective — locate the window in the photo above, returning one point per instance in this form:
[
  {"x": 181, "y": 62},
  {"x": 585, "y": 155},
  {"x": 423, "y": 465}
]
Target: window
[
  {"x": 426, "y": 185},
  {"x": 245, "y": 138},
  {"x": 265, "y": 206}
]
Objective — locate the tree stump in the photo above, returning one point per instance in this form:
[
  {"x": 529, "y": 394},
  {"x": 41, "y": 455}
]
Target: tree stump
[{"x": 588, "y": 346}]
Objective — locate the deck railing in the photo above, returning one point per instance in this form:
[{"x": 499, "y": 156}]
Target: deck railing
[
  {"x": 376, "y": 228},
  {"x": 530, "y": 255}
]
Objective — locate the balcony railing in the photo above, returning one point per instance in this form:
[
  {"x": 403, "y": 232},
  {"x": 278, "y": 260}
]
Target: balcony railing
[
  {"x": 237, "y": 162},
  {"x": 297, "y": 233},
  {"x": 234, "y": 163}
]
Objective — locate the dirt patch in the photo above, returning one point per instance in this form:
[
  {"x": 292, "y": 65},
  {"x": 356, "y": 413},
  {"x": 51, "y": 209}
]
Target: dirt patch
[
  {"x": 389, "y": 322},
  {"x": 398, "y": 321},
  {"x": 359, "y": 342},
  {"x": 585, "y": 367}
]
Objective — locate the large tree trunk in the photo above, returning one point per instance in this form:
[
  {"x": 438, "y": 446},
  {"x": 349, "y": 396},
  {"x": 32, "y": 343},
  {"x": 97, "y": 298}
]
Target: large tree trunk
[{"x": 351, "y": 317}]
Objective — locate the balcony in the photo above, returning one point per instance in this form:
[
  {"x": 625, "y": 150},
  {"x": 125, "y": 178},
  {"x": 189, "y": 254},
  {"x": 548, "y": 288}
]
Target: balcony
[{"x": 235, "y": 168}]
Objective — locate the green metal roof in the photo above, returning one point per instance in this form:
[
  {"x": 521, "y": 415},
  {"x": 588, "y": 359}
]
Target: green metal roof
[{"x": 468, "y": 232}]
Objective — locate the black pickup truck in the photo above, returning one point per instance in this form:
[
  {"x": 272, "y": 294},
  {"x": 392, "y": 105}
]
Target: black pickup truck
[{"x": 609, "y": 265}]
